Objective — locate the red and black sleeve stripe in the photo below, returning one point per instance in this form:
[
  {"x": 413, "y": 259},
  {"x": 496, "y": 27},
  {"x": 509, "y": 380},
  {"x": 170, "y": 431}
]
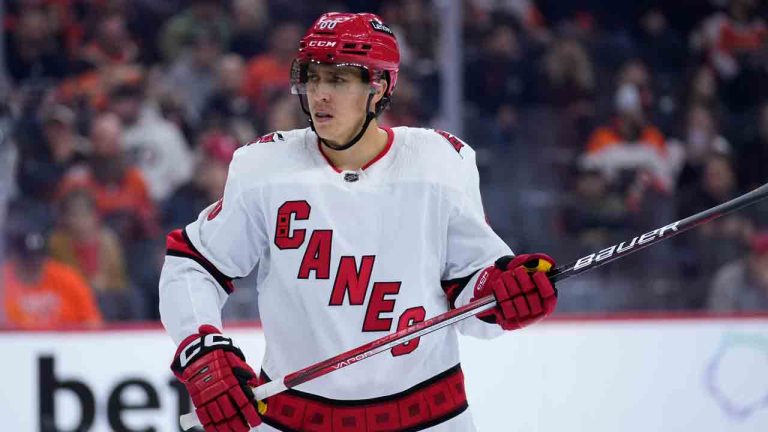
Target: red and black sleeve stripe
[
  {"x": 454, "y": 287},
  {"x": 179, "y": 245}
]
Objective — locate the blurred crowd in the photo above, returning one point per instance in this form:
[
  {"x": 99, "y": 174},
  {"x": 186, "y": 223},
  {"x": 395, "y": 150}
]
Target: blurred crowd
[{"x": 593, "y": 121}]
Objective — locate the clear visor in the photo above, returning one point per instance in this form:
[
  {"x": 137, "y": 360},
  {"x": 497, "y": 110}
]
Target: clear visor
[{"x": 309, "y": 78}]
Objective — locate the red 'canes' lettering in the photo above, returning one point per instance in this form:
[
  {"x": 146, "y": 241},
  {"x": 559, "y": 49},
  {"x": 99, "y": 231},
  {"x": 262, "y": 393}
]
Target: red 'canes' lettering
[
  {"x": 377, "y": 305},
  {"x": 317, "y": 257},
  {"x": 350, "y": 279},
  {"x": 408, "y": 318},
  {"x": 284, "y": 239}
]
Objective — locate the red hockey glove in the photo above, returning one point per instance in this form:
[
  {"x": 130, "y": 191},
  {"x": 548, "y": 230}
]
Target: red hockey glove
[
  {"x": 523, "y": 292},
  {"x": 218, "y": 379}
]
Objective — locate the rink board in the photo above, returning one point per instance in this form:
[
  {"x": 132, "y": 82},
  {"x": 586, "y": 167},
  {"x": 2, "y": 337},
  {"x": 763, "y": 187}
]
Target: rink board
[{"x": 669, "y": 374}]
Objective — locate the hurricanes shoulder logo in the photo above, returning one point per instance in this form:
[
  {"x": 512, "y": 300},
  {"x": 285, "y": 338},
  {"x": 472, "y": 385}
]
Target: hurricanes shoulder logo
[
  {"x": 452, "y": 139},
  {"x": 269, "y": 138},
  {"x": 216, "y": 209}
]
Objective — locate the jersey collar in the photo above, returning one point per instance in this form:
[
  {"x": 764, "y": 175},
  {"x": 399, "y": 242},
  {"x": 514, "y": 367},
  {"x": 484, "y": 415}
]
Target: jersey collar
[{"x": 384, "y": 151}]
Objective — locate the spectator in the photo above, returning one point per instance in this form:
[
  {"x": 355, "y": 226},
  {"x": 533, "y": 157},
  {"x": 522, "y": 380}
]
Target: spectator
[
  {"x": 594, "y": 214},
  {"x": 570, "y": 82},
  {"x": 742, "y": 285},
  {"x": 111, "y": 43},
  {"x": 415, "y": 25},
  {"x": 42, "y": 167},
  {"x": 120, "y": 192},
  {"x": 33, "y": 52},
  {"x": 702, "y": 138},
  {"x": 207, "y": 186},
  {"x": 662, "y": 49},
  {"x": 661, "y": 46},
  {"x": 635, "y": 72},
  {"x": 171, "y": 109},
  {"x": 251, "y": 23},
  {"x": 90, "y": 89},
  {"x": 266, "y": 74},
  {"x": 195, "y": 71},
  {"x": 82, "y": 242},
  {"x": 228, "y": 108},
  {"x": 642, "y": 167},
  {"x": 500, "y": 77},
  {"x": 729, "y": 39},
  {"x": 181, "y": 30},
  {"x": 716, "y": 242},
  {"x": 629, "y": 149},
  {"x": 735, "y": 45},
  {"x": 154, "y": 145},
  {"x": 42, "y": 293},
  {"x": 703, "y": 89},
  {"x": 526, "y": 13}
]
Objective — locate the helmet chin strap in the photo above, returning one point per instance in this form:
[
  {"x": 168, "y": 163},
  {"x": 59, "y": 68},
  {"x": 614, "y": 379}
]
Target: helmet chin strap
[{"x": 368, "y": 117}]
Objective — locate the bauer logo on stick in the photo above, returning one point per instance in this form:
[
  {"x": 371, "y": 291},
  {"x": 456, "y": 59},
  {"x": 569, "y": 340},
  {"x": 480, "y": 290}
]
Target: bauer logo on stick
[{"x": 623, "y": 247}]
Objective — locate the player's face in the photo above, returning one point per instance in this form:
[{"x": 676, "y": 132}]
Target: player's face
[{"x": 337, "y": 98}]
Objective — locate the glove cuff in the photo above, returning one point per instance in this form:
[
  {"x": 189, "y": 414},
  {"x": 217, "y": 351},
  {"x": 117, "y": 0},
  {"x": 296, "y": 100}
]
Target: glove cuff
[
  {"x": 532, "y": 262},
  {"x": 208, "y": 329},
  {"x": 195, "y": 346}
]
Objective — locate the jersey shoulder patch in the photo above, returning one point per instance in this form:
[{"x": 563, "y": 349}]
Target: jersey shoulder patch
[
  {"x": 216, "y": 209},
  {"x": 268, "y": 138},
  {"x": 455, "y": 142}
]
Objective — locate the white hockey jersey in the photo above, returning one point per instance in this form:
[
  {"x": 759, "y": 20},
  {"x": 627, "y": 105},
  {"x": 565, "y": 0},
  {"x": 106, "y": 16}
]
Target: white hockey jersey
[{"x": 343, "y": 258}]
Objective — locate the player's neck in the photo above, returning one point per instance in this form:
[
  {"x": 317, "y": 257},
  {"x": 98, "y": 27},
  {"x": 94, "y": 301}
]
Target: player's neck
[{"x": 371, "y": 144}]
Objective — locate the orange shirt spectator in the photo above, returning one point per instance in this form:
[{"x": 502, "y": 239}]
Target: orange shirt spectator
[
  {"x": 127, "y": 194},
  {"x": 630, "y": 151},
  {"x": 119, "y": 190},
  {"x": 59, "y": 297},
  {"x": 607, "y": 136},
  {"x": 265, "y": 75},
  {"x": 93, "y": 86},
  {"x": 611, "y": 151}
]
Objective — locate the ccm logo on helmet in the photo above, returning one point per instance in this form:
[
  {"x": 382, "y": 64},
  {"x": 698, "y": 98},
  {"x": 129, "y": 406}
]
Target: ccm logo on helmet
[{"x": 321, "y": 43}]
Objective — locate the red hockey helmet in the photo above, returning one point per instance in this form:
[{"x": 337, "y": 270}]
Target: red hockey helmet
[{"x": 349, "y": 39}]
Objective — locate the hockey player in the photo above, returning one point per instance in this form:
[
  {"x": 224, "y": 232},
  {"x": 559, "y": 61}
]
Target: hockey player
[{"x": 356, "y": 230}]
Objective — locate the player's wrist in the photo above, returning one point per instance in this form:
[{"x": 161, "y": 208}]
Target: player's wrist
[
  {"x": 523, "y": 292},
  {"x": 197, "y": 346}
]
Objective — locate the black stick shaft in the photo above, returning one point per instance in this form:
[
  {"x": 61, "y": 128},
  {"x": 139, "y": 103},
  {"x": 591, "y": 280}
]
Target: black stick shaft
[{"x": 615, "y": 252}]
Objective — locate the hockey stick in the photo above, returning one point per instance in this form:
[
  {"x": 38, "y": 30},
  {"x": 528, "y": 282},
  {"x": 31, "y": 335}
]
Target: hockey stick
[{"x": 582, "y": 265}]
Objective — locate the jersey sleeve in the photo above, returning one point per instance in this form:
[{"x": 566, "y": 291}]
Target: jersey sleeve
[
  {"x": 202, "y": 260},
  {"x": 472, "y": 246}
]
